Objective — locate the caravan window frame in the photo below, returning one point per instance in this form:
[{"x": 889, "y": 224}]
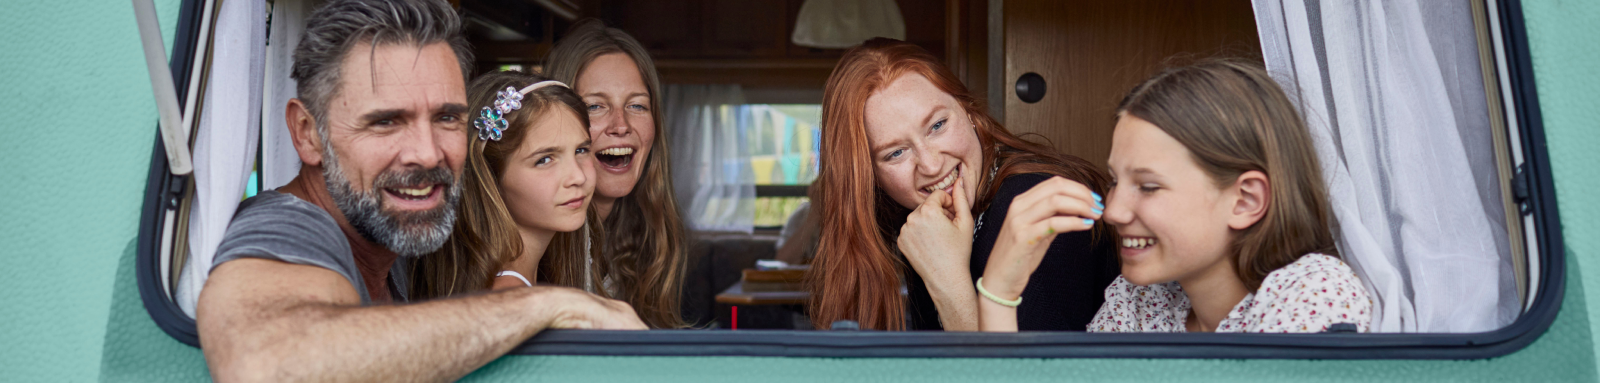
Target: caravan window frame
[{"x": 1532, "y": 184}]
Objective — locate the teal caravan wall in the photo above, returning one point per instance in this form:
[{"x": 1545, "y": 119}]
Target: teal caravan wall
[
  {"x": 76, "y": 127},
  {"x": 78, "y": 124}
]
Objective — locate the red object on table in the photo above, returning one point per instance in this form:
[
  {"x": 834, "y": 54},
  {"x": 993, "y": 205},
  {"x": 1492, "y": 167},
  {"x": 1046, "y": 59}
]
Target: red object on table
[{"x": 735, "y": 317}]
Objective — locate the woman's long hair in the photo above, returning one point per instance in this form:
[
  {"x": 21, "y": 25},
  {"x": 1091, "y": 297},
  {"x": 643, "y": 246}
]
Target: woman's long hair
[
  {"x": 645, "y": 240},
  {"x": 1234, "y": 118},
  {"x": 485, "y": 237},
  {"x": 857, "y": 271}
]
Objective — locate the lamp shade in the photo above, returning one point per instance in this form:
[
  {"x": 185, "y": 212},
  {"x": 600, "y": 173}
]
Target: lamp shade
[{"x": 846, "y": 23}]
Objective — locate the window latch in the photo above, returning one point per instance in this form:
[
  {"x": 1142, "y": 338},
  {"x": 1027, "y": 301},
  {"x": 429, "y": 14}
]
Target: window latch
[
  {"x": 1520, "y": 189},
  {"x": 1342, "y": 328}
]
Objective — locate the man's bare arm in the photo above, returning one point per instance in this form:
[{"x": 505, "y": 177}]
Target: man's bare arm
[{"x": 263, "y": 320}]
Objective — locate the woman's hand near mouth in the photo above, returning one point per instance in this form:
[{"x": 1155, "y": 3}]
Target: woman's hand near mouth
[{"x": 937, "y": 240}]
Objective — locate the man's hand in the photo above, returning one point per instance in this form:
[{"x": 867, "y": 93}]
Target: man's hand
[{"x": 576, "y": 309}]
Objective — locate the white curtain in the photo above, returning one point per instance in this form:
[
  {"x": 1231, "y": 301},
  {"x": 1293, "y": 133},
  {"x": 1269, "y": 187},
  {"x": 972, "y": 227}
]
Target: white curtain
[
  {"x": 279, "y": 161},
  {"x": 225, "y": 146},
  {"x": 1394, "y": 97},
  {"x": 711, "y": 173}
]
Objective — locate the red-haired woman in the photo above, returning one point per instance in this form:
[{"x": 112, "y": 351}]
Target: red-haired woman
[{"x": 909, "y": 157}]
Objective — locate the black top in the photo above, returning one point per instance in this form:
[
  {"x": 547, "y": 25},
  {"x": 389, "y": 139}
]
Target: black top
[{"x": 1064, "y": 292}]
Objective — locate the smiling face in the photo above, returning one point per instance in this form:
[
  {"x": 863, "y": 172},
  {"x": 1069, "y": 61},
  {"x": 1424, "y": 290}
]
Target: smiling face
[
  {"x": 1173, "y": 218},
  {"x": 395, "y": 141},
  {"x": 921, "y": 141},
  {"x": 620, "y": 122},
  {"x": 548, "y": 182}
]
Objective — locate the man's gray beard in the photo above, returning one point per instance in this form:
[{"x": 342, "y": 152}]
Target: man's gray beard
[{"x": 409, "y": 234}]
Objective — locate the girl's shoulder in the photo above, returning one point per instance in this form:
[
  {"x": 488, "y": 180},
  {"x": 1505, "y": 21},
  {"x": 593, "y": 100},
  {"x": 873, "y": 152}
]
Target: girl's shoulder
[
  {"x": 1317, "y": 266},
  {"x": 1310, "y": 294}
]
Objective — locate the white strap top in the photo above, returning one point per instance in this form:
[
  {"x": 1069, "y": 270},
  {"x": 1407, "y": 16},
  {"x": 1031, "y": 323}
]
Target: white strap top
[
  {"x": 588, "y": 260},
  {"x": 515, "y": 274}
]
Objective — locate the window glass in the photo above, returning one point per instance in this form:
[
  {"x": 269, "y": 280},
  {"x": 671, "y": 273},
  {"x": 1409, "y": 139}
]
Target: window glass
[{"x": 783, "y": 143}]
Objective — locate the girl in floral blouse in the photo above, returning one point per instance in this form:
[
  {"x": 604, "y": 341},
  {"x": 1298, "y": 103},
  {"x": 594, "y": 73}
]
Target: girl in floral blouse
[{"x": 1224, "y": 221}]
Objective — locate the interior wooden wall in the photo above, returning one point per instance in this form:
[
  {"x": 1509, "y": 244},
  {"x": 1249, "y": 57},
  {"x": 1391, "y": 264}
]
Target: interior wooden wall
[
  {"x": 747, "y": 41},
  {"x": 736, "y": 41},
  {"x": 1092, "y": 52}
]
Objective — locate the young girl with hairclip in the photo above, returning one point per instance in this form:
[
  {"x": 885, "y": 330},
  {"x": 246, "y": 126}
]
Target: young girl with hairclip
[
  {"x": 529, "y": 184},
  {"x": 1223, "y": 216}
]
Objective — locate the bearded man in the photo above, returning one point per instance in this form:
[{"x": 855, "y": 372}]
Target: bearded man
[{"x": 305, "y": 285}]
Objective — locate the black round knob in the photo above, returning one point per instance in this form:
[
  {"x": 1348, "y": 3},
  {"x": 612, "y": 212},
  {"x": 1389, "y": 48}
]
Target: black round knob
[{"x": 1030, "y": 87}]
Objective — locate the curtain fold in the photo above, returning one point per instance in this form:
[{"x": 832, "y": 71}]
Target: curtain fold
[
  {"x": 225, "y": 146},
  {"x": 280, "y": 163},
  {"x": 1396, "y": 107},
  {"x": 711, "y": 172}
]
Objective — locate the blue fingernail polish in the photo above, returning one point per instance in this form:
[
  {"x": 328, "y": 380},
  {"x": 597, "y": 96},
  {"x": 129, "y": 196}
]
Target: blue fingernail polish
[
  {"x": 1088, "y": 222},
  {"x": 1097, "y": 211},
  {"x": 1100, "y": 205},
  {"x": 1096, "y": 196}
]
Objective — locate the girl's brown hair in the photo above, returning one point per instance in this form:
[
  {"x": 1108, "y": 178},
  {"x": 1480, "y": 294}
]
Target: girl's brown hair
[
  {"x": 1234, "y": 118},
  {"x": 645, "y": 239},
  {"x": 485, "y": 236},
  {"x": 857, "y": 272}
]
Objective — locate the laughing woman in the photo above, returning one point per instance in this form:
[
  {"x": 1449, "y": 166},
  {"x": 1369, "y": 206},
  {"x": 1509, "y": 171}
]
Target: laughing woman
[
  {"x": 644, "y": 243},
  {"x": 528, "y": 184},
  {"x": 909, "y": 157}
]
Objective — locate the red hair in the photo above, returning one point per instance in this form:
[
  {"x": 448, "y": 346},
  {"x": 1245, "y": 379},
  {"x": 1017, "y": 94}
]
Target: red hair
[{"x": 857, "y": 272}]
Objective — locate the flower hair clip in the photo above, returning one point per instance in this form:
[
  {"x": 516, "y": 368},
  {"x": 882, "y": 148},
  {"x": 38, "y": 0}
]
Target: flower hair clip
[{"x": 491, "y": 122}]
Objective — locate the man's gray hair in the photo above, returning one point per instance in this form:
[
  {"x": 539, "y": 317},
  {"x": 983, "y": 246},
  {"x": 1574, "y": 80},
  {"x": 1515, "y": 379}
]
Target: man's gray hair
[{"x": 339, "y": 25}]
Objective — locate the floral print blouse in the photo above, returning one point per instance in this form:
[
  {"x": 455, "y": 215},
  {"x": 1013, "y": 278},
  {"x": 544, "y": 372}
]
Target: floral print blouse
[{"x": 1308, "y": 295}]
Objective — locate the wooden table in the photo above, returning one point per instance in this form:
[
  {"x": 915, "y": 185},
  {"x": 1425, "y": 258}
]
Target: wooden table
[{"x": 735, "y": 295}]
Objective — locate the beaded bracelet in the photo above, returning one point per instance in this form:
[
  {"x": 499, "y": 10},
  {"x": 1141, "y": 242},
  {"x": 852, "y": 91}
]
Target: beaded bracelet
[{"x": 992, "y": 297}]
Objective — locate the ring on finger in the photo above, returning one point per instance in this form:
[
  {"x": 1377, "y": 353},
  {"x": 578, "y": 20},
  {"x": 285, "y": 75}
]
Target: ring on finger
[{"x": 1049, "y": 231}]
